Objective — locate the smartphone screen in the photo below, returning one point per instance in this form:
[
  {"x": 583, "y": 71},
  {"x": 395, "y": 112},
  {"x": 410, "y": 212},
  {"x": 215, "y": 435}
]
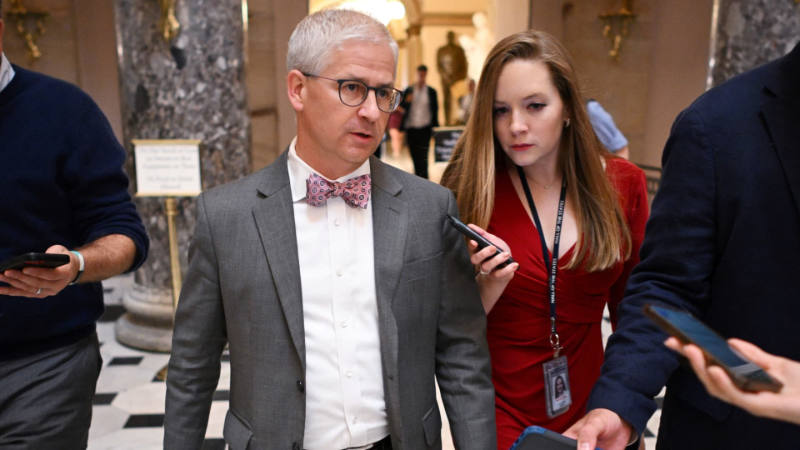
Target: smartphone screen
[
  {"x": 34, "y": 259},
  {"x": 688, "y": 328},
  {"x": 480, "y": 240},
  {"x": 702, "y": 335},
  {"x": 538, "y": 438}
]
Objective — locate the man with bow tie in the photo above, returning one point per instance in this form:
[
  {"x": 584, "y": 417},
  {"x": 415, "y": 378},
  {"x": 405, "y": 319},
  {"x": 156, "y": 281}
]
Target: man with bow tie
[{"x": 337, "y": 281}]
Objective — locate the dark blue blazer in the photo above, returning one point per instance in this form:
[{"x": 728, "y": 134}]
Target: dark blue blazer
[{"x": 723, "y": 241}]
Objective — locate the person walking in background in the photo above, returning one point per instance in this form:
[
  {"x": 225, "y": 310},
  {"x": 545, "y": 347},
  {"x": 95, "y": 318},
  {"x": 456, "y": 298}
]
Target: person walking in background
[
  {"x": 336, "y": 280},
  {"x": 606, "y": 130},
  {"x": 547, "y": 173},
  {"x": 722, "y": 244},
  {"x": 64, "y": 192},
  {"x": 422, "y": 114}
]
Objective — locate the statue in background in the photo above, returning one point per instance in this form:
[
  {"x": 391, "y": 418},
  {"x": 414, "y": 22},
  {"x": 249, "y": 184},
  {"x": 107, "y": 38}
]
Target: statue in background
[
  {"x": 452, "y": 64},
  {"x": 477, "y": 47}
]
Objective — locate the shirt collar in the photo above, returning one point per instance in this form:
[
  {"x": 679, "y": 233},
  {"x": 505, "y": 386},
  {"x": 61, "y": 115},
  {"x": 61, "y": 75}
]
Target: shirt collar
[
  {"x": 299, "y": 172},
  {"x": 6, "y": 72}
]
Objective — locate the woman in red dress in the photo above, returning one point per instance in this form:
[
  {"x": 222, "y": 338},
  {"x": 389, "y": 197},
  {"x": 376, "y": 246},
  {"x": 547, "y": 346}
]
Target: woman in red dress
[{"x": 530, "y": 175}]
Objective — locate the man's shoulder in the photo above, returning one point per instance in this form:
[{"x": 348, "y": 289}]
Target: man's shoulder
[
  {"x": 243, "y": 190},
  {"x": 412, "y": 185},
  {"x": 66, "y": 103},
  {"x": 738, "y": 96},
  {"x": 51, "y": 86}
]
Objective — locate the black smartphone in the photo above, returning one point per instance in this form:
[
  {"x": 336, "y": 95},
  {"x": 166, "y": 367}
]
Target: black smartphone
[
  {"x": 689, "y": 330},
  {"x": 538, "y": 438},
  {"x": 482, "y": 241},
  {"x": 34, "y": 259}
]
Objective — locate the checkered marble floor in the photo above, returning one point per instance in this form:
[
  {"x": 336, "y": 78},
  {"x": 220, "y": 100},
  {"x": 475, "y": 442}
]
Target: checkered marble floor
[{"x": 128, "y": 408}]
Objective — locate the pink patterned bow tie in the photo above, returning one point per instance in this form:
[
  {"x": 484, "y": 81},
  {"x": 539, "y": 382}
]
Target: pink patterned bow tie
[{"x": 354, "y": 191}]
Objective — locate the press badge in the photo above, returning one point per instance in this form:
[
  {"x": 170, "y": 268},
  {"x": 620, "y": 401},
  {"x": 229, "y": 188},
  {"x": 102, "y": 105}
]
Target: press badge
[{"x": 556, "y": 386}]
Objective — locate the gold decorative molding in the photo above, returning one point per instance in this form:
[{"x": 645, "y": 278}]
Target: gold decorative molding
[
  {"x": 168, "y": 25},
  {"x": 447, "y": 19},
  {"x": 22, "y": 18},
  {"x": 616, "y": 26}
]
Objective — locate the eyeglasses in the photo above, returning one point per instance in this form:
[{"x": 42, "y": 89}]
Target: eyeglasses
[{"x": 354, "y": 92}]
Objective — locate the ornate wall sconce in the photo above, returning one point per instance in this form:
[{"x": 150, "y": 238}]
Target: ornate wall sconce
[
  {"x": 168, "y": 25},
  {"x": 23, "y": 19},
  {"x": 616, "y": 26}
]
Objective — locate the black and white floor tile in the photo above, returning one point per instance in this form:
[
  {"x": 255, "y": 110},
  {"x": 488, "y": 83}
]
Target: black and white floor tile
[{"x": 128, "y": 410}]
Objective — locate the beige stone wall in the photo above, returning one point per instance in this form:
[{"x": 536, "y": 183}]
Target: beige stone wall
[
  {"x": 622, "y": 87},
  {"x": 270, "y": 23},
  {"x": 662, "y": 67},
  {"x": 679, "y": 67},
  {"x": 58, "y": 45},
  {"x": 79, "y": 46}
]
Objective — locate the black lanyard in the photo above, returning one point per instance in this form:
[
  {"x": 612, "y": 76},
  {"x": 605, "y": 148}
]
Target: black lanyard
[{"x": 551, "y": 278}]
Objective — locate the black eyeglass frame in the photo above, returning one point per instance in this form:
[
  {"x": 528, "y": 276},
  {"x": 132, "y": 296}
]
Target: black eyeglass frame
[{"x": 398, "y": 93}]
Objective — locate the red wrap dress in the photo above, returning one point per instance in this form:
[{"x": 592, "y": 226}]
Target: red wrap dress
[{"x": 518, "y": 327}]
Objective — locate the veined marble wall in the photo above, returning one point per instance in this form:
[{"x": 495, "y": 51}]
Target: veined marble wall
[
  {"x": 191, "y": 88},
  {"x": 750, "y": 33}
]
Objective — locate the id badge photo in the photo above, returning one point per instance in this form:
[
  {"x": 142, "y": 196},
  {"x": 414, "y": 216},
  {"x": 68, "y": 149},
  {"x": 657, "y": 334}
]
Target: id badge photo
[{"x": 556, "y": 386}]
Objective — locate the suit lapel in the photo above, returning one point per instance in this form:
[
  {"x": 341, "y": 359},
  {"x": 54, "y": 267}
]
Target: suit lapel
[
  {"x": 781, "y": 114},
  {"x": 274, "y": 219},
  {"x": 389, "y": 224}
]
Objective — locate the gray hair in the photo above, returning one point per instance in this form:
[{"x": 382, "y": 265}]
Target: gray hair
[{"x": 320, "y": 34}]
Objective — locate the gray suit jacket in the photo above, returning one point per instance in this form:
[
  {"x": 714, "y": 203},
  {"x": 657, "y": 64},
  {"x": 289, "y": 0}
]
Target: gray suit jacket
[{"x": 243, "y": 287}]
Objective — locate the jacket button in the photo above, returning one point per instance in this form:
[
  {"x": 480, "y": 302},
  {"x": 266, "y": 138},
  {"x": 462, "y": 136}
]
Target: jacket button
[
  {"x": 295, "y": 446},
  {"x": 300, "y": 386}
]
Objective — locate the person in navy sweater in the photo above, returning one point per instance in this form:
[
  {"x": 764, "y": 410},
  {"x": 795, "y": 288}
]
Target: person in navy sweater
[{"x": 62, "y": 190}]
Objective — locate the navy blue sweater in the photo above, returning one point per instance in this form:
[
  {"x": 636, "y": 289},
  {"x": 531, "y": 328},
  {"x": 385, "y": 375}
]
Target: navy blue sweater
[{"x": 61, "y": 182}]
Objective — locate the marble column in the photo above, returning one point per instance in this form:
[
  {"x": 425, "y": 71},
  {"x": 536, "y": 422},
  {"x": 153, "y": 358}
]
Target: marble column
[
  {"x": 189, "y": 88},
  {"x": 414, "y": 48},
  {"x": 749, "y": 33}
]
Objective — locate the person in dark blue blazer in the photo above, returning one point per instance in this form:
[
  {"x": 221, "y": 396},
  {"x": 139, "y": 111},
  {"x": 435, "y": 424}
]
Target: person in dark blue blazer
[{"x": 723, "y": 242}]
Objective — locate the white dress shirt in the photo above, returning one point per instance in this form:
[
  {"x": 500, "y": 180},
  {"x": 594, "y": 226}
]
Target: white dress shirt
[
  {"x": 420, "y": 111},
  {"x": 6, "y": 72},
  {"x": 345, "y": 404}
]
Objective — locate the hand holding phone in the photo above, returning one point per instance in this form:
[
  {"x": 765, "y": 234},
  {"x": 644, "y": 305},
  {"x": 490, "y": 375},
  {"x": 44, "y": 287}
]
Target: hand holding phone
[
  {"x": 689, "y": 330},
  {"x": 783, "y": 405},
  {"x": 538, "y": 438},
  {"x": 34, "y": 259},
  {"x": 480, "y": 240}
]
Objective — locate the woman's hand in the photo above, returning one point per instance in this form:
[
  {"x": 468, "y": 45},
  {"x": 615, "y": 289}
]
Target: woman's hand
[
  {"x": 40, "y": 282},
  {"x": 492, "y": 281},
  {"x": 783, "y": 405}
]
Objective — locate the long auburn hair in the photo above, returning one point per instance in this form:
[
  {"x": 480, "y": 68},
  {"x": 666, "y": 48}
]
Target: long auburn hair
[{"x": 603, "y": 234}]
